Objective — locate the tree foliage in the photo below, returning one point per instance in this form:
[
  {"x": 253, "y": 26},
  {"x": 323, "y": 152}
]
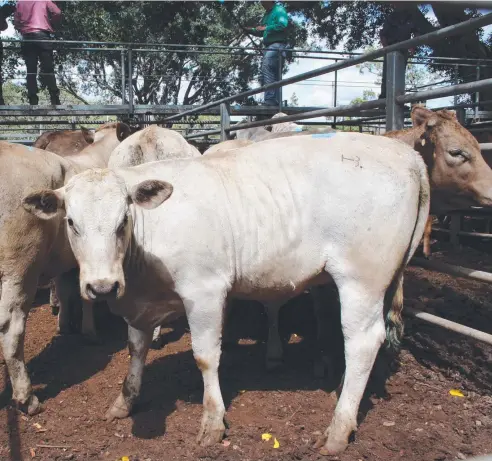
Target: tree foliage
[
  {"x": 190, "y": 76},
  {"x": 172, "y": 74}
]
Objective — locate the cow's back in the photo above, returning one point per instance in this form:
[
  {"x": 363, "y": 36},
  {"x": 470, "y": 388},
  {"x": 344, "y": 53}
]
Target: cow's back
[
  {"x": 151, "y": 144},
  {"x": 276, "y": 209}
]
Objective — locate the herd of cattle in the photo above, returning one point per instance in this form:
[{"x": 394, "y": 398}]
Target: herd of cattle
[{"x": 158, "y": 230}]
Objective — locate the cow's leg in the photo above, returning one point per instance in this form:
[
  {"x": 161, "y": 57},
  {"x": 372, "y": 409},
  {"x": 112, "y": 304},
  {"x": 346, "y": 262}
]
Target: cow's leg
[
  {"x": 16, "y": 299},
  {"x": 138, "y": 345},
  {"x": 54, "y": 301},
  {"x": 204, "y": 312},
  {"x": 88, "y": 326},
  {"x": 67, "y": 292},
  {"x": 227, "y": 336},
  {"x": 322, "y": 360},
  {"x": 427, "y": 236},
  {"x": 157, "y": 342},
  {"x": 364, "y": 332},
  {"x": 275, "y": 350}
]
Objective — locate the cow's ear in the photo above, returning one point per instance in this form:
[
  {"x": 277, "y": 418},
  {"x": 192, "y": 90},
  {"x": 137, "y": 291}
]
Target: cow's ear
[
  {"x": 88, "y": 135},
  {"x": 420, "y": 115},
  {"x": 45, "y": 203},
  {"x": 150, "y": 194},
  {"x": 122, "y": 131}
]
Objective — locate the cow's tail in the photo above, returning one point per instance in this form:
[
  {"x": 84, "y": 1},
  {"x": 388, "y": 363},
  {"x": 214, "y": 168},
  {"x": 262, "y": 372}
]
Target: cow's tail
[{"x": 394, "y": 294}]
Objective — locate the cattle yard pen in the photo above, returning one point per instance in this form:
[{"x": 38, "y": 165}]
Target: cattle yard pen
[
  {"x": 395, "y": 116},
  {"x": 392, "y": 109}
]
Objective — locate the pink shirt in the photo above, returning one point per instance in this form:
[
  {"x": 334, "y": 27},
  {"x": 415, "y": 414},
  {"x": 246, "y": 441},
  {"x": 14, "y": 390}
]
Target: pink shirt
[{"x": 33, "y": 16}]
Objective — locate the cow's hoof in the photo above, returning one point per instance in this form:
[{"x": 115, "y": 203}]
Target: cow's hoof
[
  {"x": 157, "y": 343},
  {"x": 211, "y": 432},
  {"x": 274, "y": 364},
  {"x": 31, "y": 407},
  {"x": 333, "y": 447},
  {"x": 119, "y": 410}
]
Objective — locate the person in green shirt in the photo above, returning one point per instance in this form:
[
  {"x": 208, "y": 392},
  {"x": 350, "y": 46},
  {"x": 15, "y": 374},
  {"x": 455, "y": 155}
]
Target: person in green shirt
[{"x": 273, "y": 29}]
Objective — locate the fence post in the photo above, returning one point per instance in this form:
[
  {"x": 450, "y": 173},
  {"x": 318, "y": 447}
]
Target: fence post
[
  {"x": 395, "y": 86},
  {"x": 455, "y": 226},
  {"x": 225, "y": 121},
  {"x": 123, "y": 79},
  {"x": 335, "y": 81},
  {"x": 280, "y": 75},
  {"x": 477, "y": 95},
  {"x": 130, "y": 85}
]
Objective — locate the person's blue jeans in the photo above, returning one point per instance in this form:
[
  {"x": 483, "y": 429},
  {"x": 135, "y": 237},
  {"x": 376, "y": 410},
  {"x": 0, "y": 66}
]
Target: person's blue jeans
[{"x": 271, "y": 71}]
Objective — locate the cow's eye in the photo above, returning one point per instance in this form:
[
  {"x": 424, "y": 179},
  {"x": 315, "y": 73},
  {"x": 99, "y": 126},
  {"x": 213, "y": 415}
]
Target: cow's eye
[
  {"x": 459, "y": 153},
  {"x": 72, "y": 226}
]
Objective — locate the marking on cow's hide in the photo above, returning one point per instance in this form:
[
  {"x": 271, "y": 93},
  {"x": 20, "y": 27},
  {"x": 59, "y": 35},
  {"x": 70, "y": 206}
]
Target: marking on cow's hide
[
  {"x": 323, "y": 135},
  {"x": 356, "y": 160}
]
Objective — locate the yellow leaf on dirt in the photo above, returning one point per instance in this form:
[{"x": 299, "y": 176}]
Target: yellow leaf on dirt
[
  {"x": 125, "y": 458},
  {"x": 37, "y": 426},
  {"x": 266, "y": 437},
  {"x": 456, "y": 393},
  {"x": 275, "y": 443},
  {"x": 32, "y": 452}
]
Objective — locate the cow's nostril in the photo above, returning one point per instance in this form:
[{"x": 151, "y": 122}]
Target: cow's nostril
[
  {"x": 91, "y": 293},
  {"x": 115, "y": 288},
  {"x": 102, "y": 289}
]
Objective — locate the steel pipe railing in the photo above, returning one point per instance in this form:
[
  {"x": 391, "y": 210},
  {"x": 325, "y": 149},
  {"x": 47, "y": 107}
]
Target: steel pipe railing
[
  {"x": 420, "y": 40},
  {"x": 451, "y": 90}
]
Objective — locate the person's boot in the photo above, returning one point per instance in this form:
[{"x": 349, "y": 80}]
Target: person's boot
[
  {"x": 33, "y": 100},
  {"x": 55, "y": 99}
]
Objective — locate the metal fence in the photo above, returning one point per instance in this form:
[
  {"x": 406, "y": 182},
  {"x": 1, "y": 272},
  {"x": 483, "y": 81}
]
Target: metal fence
[
  {"x": 391, "y": 109},
  {"x": 395, "y": 116}
]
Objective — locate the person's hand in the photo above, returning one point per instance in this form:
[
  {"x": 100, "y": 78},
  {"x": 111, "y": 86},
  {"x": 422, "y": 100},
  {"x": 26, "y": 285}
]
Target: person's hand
[
  {"x": 411, "y": 51},
  {"x": 260, "y": 28}
]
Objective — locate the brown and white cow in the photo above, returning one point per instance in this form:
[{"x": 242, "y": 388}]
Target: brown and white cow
[
  {"x": 34, "y": 252},
  {"x": 65, "y": 142},
  {"x": 459, "y": 175}
]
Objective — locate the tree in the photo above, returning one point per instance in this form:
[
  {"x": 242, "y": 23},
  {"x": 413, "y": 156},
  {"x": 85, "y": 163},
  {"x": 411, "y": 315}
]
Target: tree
[
  {"x": 294, "y": 100},
  {"x": 170, "y": 75},
  {"x": 415, "y": 75},
  {"x": 357, "y": 24},
  {"x": 15, "y": 94},
  {"x": 367, "y": 95}
]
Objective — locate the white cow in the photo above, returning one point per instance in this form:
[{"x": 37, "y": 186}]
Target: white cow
[
  {"x": 349, "y": 208},
  {"x": 150, "y": 144}
]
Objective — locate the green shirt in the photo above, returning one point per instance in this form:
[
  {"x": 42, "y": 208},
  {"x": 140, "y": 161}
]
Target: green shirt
[{"x": 276, "y": 22}]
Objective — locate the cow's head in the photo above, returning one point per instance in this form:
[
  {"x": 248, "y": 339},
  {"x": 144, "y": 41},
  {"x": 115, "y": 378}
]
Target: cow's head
[
  {"x": 99, "y": 224},
  {"x": 458, "y": 173},
  {"x": 121, "y": 129}
]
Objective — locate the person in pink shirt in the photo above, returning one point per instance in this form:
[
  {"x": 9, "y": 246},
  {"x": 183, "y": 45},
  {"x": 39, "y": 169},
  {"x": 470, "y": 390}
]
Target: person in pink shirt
[{"x": 35, "y": 20}]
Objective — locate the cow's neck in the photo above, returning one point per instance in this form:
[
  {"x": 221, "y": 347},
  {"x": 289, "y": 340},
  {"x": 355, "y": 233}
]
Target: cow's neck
[
  {"x": 96, "y": 155},
  {"x": 413, "y": 137}
]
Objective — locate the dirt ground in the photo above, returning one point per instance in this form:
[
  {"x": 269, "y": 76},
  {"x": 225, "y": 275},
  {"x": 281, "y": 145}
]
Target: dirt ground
[{"x": 408, "y": 412}]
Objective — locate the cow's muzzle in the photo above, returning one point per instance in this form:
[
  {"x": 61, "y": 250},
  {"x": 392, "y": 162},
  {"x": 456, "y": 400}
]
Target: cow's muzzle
[{"x": 103, "y": 289}]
